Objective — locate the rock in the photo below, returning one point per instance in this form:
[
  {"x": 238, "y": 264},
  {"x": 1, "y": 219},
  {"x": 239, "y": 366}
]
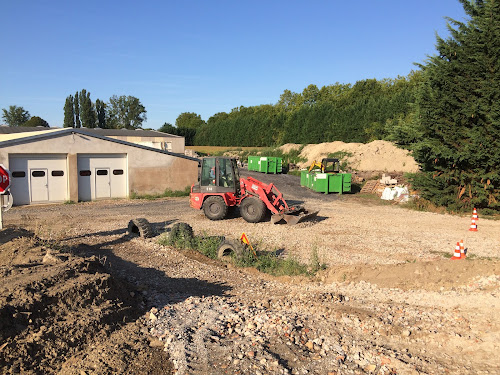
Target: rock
[
  {"x": 370, "y": 368},
  {"x": 152, "y": 317},
  {"x": 310, "y": 345}
]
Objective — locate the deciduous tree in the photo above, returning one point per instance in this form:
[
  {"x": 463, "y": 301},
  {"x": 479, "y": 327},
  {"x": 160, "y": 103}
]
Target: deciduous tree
[
  {"x": 125, "y": 112},
  {"x": 15, "y": 116}
]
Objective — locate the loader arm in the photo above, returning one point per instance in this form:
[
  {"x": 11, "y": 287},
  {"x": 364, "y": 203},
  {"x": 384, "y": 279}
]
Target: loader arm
[{"x": 274, "y": 201}]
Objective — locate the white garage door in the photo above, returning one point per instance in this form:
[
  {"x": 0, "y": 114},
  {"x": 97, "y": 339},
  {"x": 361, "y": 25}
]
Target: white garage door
[
  {"x": 102, "y": 176},
  {"x": 39, "y": 178}
]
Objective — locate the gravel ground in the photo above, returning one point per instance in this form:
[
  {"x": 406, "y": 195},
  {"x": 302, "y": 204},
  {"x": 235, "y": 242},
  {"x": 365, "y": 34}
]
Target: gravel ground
[{"x": 388, "y": 303}]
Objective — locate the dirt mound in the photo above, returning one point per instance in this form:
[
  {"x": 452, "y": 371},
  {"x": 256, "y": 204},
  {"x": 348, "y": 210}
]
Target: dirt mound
[
  {"x": 373, "y": 156},
  {"x": 54, "y": 304},
  {"x": 433, "y": 276}
]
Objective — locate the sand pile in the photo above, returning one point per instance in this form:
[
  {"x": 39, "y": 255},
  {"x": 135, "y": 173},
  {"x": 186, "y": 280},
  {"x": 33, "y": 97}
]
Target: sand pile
[{"x": 373, "y": 156}]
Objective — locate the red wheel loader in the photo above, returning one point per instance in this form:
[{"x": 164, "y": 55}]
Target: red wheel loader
[{"x": 220, "y": 187}]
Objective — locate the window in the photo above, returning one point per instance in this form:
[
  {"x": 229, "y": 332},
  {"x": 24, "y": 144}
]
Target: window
[
  {"x": 117, "y": 172},
  {"x": 225, "y": 173},
  {"x": 102, "y": 172},
  {"x": 208, "y": 172},
  {"x": 57, "y": 173},
  {"x": 38, "y": 174},
  {"x": 85, "y": 173},
  {"x": 18, "y": 174}
]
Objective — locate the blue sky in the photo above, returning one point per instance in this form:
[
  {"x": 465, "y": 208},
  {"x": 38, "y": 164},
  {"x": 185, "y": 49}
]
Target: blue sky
[{"x": 205, "y": 56}]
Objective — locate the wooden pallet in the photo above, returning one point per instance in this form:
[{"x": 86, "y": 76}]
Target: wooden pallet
[{"x": 369, "y": 187}]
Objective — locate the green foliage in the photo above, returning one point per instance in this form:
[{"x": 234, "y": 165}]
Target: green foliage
[
  {"x": 87, "y": 113},
  {"x": 188, "y": 133},
  {"x": 351, "y": 113},
  {"x": 269, "y": 262},
  {"x": 459, "y": 112},
  {"x": 36, "y": 121},
  {"x": 69, "y": 113},
  {"x": 125, "y": 112},
  {"x": 189, "y": 120},
  {"x": 15, "y": 116},
  {"x": 100, "y": 108},
  {"x": 76, "y": 103}
]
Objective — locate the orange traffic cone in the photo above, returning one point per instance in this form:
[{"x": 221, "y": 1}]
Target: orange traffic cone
[
  {"x": 462, "y": 250},
  {"x": 473, "y": 226},
  {"x": 456, "y": 254},
  {"x": 474, "y": 214}
]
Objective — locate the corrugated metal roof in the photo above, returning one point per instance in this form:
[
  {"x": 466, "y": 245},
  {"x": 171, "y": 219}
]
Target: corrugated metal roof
[
  {"x": 18, "y": 135},
  {"x": 99, "y": 131}
]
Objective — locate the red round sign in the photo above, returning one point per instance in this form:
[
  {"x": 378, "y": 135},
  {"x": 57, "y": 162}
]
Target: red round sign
[{"x": 4, "y": 179}]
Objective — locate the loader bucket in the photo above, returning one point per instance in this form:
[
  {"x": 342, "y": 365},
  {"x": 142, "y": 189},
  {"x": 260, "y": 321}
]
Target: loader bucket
[{"x": 293, "y": 217}]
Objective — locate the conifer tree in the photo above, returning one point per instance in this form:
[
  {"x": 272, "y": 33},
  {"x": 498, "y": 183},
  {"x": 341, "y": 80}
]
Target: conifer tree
[
  {"x": 76, "y": 102},
  {"x": 459, "y": 110},
  {"x": 69, "y": 113}
]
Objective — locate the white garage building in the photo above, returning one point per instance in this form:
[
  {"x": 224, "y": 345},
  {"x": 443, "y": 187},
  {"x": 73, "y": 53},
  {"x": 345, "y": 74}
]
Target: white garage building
[{"x": 78, "y": 165}]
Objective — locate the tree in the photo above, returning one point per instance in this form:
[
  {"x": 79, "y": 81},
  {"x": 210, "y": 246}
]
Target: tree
[
  {"x": 15, "y": 116},
  {"x": 189, "y": 120},
  {"x": 69, "y": 113},
  {"x": 459, "y": 111},
  {"x": 36, "y": 121},
  {"x": 100, "y": 108},
  {"x": 125, "y": 112},
  {"x": 76, "y": 102},
  {"x": 87, "y": 112},
  {"x": 168, "y": 128}
]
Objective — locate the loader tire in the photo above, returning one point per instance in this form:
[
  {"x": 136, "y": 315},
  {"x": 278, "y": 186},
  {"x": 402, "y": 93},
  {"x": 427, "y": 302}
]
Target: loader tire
[
  {"x": 230, "y": 248},
  {"x": 140, "y": 227},
  {"x": 252, "y": 209},
  {"x": 181, "y": 231},
  {"x": 215, "y": 208}
]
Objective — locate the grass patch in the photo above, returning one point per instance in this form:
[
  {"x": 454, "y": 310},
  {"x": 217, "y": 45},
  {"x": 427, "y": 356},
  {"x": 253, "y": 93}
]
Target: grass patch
[
  {"x": 420, "y": 204},
  {"x": 268, "y": 262},
  {"x": 167, "y": 193}
]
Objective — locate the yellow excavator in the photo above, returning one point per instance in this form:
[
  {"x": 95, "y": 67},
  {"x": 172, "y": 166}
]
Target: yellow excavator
[{"x": 327, "y": 165}]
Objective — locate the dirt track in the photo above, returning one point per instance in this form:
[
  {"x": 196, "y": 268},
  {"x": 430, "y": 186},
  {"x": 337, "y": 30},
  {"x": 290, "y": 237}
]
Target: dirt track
[{"x": 389, "y": 302}]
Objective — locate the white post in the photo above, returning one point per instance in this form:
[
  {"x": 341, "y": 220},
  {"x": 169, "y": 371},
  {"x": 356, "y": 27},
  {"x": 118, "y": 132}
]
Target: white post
[{"x": 1, "y": 209}]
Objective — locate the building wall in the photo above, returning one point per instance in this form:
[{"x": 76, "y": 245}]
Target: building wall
[
  {"x": 149, "y": 172},
  {"x": 177, "y": 143}
]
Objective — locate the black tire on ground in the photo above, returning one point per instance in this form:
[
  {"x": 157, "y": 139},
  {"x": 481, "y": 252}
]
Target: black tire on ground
[
  {"x": 215, "y": 208},
  {"x": 140, "y": 227},
  {"x": 252, "y": 209},
  {"x": 228, "y": 248},
  {"x": 181, "y": 230}
]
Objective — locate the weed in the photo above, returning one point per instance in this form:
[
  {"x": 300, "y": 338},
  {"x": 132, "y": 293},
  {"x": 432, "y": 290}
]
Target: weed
[
  {"x": 421, "y": 204},
  {"x": 265, "y": 261},
  {"x": 315, "y": 265},
  {"x": 165, "y": 194}
]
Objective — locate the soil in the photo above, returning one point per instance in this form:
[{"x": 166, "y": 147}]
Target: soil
[
  {"x": 80, "y": 295},
  {"x": 374, "y": 156}
]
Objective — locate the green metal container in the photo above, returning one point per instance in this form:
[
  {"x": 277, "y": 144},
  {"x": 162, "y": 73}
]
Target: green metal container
[
  {"x": 265, "y": 164},
  {"x": 253, "y": 163},
  {"x": 326, "y": 182}
]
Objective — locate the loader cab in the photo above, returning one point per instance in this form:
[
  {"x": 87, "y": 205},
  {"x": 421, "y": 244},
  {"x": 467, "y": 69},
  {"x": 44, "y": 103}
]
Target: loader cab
[
  {"x": 219, "y": 175},
  {"x": 330, "y": 165}
]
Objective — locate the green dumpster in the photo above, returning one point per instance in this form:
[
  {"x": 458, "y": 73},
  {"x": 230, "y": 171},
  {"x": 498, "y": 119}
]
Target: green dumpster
[
  {"x": 326, "y": 182},
  {"x": 265, "y": 164}
]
